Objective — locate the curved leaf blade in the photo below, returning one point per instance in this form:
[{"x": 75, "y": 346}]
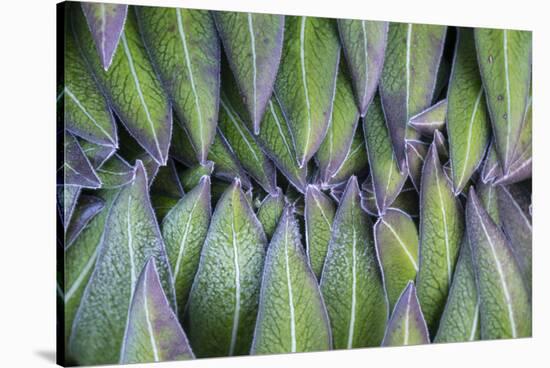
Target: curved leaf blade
[
  {"x": 76, "y": 169},
  {"x": 415, "y": 152},
  {"x": 87, "y": 208},
  {"x": 270, "y": 212},
  {"x": 427, "y": 121}
]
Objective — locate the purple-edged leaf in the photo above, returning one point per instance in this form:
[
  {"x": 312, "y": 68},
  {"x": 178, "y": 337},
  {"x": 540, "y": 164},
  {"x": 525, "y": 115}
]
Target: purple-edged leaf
[
  {"x": 427, "y": 121},
  {"x": 292, "y": 316},
  {"x": 131, "y": 86},
  {"x": 364, "y": 44},
  {"x": 407, "y": 325},
  {"x": 304, "y": 85},
  {"x": 488, "y": 195},
  {"x": 185, "y": 50},
  {"x": 468, "y": 122},
  {"x": 270, "y": 211},
  {"x": 190, "y": 178},
  {"x": 97, "y": 154},
  {"x": 153, "y": 333},
  {"x": 253, "y": 45},
  {"x": 505, "y": 308},
  {"x": 167, "y": 182},
  {"x": 441, "y": 145},
  {"x": 491, "y": 167},
  {"x": 67, "y": 196},
  {"x": 343, "y": 123},
  {"x": 319, "y": 213},
  {"x": 355, "y": 162},
  {"x": 386, "y": 175},
  {"x": 130, "y": 238},
  {"x": 88, "y": 206},
  {"x": 115, "y": 172},
  {"x": 416, "y": 152},
  {"x": 76, "y": 169},
  {"x": 408, "y": 79},
  {"x": 351, "y": 281},
  {"x": 504, "y": 58},
  {"x": 106, "y": 22},
  {"x": 441, "y": 231}
]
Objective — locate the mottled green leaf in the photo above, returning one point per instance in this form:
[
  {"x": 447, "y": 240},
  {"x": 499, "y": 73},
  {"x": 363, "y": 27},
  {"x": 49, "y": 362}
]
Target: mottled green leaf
[
  {"x": 292, "y": 316},
  {"x": 468, "y": 122},
  {"x": 115, "y": 173},
  {"x": 386, "y": 175},
  {"x": 488, "y": 195},
  {"x": 441, "y": 231},
  {"x": 153, "y": 333},
  {"x": 408, "y": 79},
  {"x": 253, "y": 45},
  {"x": 131, "y": 86},
  {"x": 351, "y": 282},
  {"x": 106, "y": 22},
  {"x": 341, "y": 130},
  {"x": 460, "y": 319},
  {"x": 184, "y": 230},
  {"x": 67, "y": 197},
  {"x": 427, "y": 121},
  {"x": 505, "y": 309},
  {"x": 185, "y": 49},
  {"x": 355, "y": 163},
  {"x": 396, "y": 240},
  {"x": 416, "y": 152},
  {"x": 364, "y": 44},
  {"x": 131, "y": 237},
  {"x": 491, "y": 167},
  {"x": 76, "y": 169},
  {"x": 318, "y": 213},
  {"x": 97, "y": 154},
  {"x": 190, "y": 177},
  {"x": 270, "y": 211},
  {"x": 442, "y": 145},
  {"x": 504, "y": 58},
  {"x": 224, "y": 298},
  {"x": 304, "y": 85},
  {"x": 407, "y": 325},
  {"x": 88, "y": 206}
]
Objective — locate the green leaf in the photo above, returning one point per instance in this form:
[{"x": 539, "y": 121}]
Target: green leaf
[
  {"x": 504, "y": 58},
  {"x": 355, "y": 163},
  {"x": 292, "y": 316},
  {"x": 191, "y": 177},
  {"x": 246, "y": 148},
  {"x": 270, "y": 212},
  {"x": 386, "y": 175},
  {"x": 409, "y": 76},
  {"x": 184, "y": 230},
  {"x": 364, "y": 44},
  {"x": 185, "y": 49},
  {"x": 351, "y": 282},
  {"x": 407, "y": 325},
  {"x": 106, "y": 22},
  {"x": 427, "y": 121},
  {"x": 76, "y": 169},
  {"x": 319, "y": 214},
  {"x": 396, "y": 240},
  {"x": 468, "y": 122},
  {"x": 67, "y": 196},
  {"x": 115, "y": 172},
  {"x": 488, "y": 196},
  {"x": 224, "y": 298},
  {"x": 96, "y": 154},
  {"x": 441, "y": 231},
  {"x": 153, "y": 333},
  {"x": 491, "y": 167},
  {"x": 88, "y": 206},
  {"x": 505, "y": 309},
  {"x": 253, "y": 45},
  {"x": 441, "y": 145},
  {"x": 131, "y": 86},
  {"x": 305, "y": 87},
  {"x": 415, "y": 152},
  {"x": 86, "y": 112},
  {"x": 341, "y": 130},
  {"x": 460, "y": 319},
  {"x": 131, "y": 237}
]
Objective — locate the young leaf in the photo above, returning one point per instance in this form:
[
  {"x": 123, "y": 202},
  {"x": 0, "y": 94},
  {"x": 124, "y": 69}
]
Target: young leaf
[
  {"x": 87, "y": 208},
  {"x": 468, "y": 122},
  {"x": 106, "y": 22},
  {"x": 292, "y": 316},
  {"x": 364, "y": 44},
  {"x": 415, "y": 152},
  {"x": 386, "y": 175},
  {"x": 396, "y": 240},
  {"x": 305, "y": 87},
  {"x": 253, "y": 45},
  {"x": 184, "y": 229},
  {"x": 76, "y": 169},
  {"x": 351, "y": 281},
  {"x": 185, "y": 49},
  {"x": 224, "y": 298},
  {"x": 319, "y": 215},
  {"x": 408, "y": 78},
  {"x": 342, "y": 125},
  {"x": 441, "y": 231},
  {"x": 427, "y": 121},
  {"x": 460, "y": 319},
  {"x": 504, "y": 58},
  {"x": 191, "y": 177},
  {"x": 355, "y": 163},
  {"x": 407, "y": 325},
  {"x": 132, "y": 87},
  {"x": 131, "y": 237},
  {"x": 246, "y": 148},
  {"x": 505, "y": 309},
  {"x": 153, "y": 333},
  {"x": 270, "y": 212}
]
